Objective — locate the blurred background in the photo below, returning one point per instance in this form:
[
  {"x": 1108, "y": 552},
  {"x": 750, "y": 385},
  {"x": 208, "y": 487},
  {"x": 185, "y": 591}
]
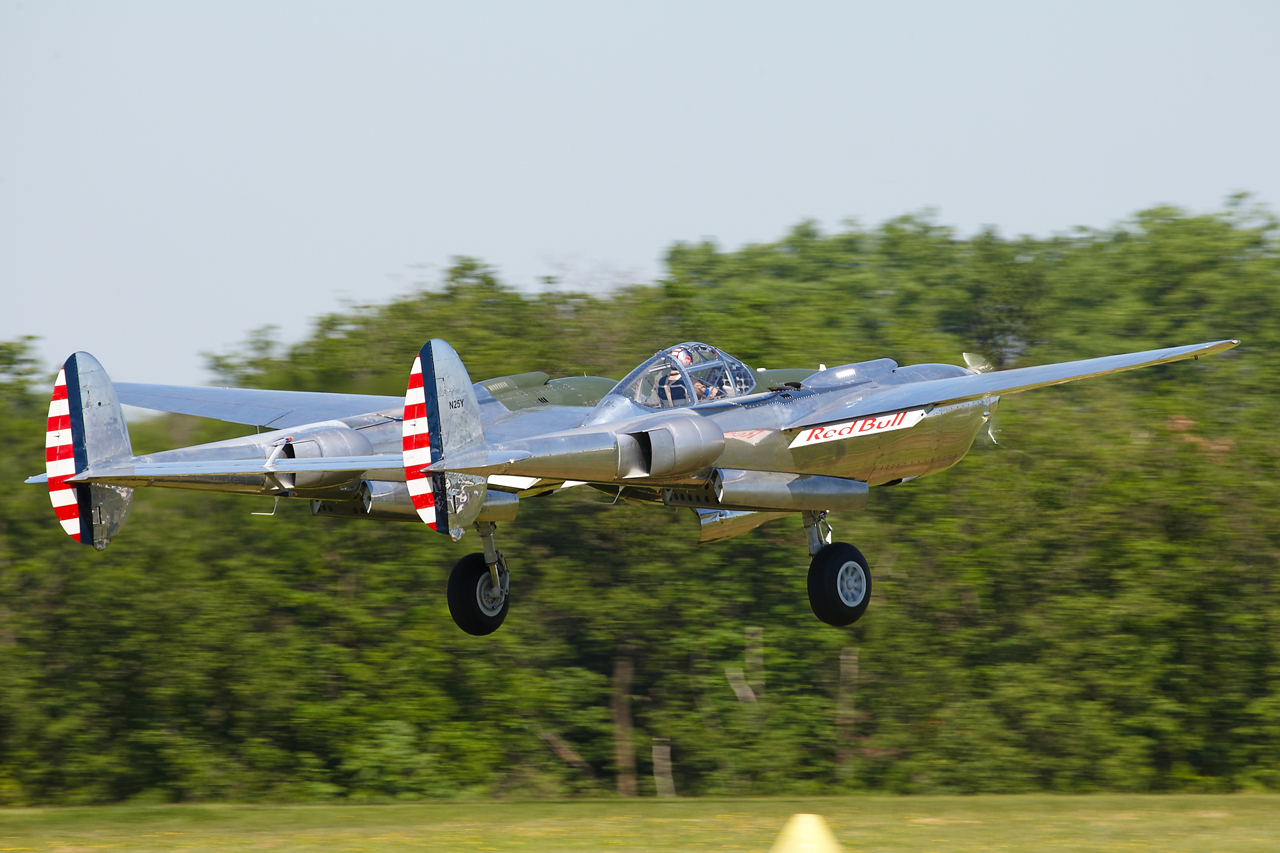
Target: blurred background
[{"x": 298, "y": 198}]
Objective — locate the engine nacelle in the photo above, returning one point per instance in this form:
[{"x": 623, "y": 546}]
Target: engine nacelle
[
  {"x": 767, "y": 490},
  {"x": 674, "y": 447},
  {"x": 663, "y": 449}
]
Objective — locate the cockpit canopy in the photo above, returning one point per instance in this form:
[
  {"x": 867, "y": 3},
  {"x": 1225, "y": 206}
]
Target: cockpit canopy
[{"x": 686, "y": 374}]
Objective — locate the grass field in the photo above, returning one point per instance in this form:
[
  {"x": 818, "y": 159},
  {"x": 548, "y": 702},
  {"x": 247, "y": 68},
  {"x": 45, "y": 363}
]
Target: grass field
[{"x": 1241, "y": 822}]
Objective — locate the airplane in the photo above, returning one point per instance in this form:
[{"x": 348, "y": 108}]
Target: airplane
[{"x": 689, "y": 427}]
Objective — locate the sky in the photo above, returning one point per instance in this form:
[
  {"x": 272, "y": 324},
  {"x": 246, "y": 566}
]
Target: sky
[{"x": 174, "y": 175}]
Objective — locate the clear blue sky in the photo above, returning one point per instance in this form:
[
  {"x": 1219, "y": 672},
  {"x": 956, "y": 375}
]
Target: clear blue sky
[{"x": 173, "y": 175}]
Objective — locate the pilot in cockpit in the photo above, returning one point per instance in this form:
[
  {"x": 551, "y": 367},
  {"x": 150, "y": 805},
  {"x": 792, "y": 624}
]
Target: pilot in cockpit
[
  {"x": 684, "y": 375},
  {"x": 671, "y": 388}
]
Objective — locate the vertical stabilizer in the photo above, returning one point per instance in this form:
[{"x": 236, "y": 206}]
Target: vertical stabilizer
[
  {"x": 442, "y": 418},
  {"x": 86, "y": 427}
]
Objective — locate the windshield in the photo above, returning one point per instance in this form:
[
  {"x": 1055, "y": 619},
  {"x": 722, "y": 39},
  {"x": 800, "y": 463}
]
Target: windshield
[{"x": 684, "y": 375}]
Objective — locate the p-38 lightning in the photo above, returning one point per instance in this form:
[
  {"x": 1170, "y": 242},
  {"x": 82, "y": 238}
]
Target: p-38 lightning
[{"x": 690, "y": 427}]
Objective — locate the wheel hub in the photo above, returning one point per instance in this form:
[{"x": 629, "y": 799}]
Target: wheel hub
[
  {"x": 851, "y": 583},
  {"x": 488, "y": 597}
]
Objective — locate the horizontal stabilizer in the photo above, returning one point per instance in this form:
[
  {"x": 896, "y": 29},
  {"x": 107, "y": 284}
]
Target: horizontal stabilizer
[
  {"x": 973, "y": 387},
  {"x": 134, "y": 472}
]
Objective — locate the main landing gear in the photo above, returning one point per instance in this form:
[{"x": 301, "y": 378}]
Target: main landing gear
[
  {"x": 480, "y": 587},
  {"x": 839, "y": 581},
  {"x": 839, "y": 577}
]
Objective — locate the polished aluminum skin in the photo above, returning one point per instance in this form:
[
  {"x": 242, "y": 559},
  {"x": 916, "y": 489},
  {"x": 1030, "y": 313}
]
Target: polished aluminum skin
[{"x": 690, "y": 426}]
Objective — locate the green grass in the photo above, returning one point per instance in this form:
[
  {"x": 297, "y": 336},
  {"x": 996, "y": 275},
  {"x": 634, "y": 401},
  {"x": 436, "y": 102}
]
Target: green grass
[{"x": 1229, "y": 823}]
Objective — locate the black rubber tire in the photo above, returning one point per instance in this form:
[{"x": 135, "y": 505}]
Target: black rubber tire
[
  {"x": 465, "y": 581},
  {"x": 824, "y": 584}
]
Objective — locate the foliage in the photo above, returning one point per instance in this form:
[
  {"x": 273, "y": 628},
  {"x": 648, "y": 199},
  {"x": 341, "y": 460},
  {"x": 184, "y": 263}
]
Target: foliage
[{"x": 1090, "y": 604}]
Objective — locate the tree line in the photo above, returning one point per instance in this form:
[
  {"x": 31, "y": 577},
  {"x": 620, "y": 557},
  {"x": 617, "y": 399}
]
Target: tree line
[{"x": 1087, "y": 602}]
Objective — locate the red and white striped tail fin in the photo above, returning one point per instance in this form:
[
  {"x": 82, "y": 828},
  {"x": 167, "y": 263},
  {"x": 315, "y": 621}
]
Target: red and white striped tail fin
[
  {"x": 60, "y": 460},
  {"x": 442, "y": 418},
  {"x": 417, "y": 447},
  {"x": 86, "y": 428}
]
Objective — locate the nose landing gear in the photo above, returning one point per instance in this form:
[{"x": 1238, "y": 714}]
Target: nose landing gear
[
  {"x": 479, "y": 591},
  {"x": 839, "y": 577}
]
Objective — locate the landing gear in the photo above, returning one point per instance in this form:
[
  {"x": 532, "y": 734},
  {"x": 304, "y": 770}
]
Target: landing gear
[
  {"x": 839, "y": 577},
  {"x": 480, "y": 588}
]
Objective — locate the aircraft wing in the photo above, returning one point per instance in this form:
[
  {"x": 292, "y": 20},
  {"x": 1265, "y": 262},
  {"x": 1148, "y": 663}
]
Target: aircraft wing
[
  {"x": 252, "y": 406},
  {"x": 956, "y": 389},
  {"x": 286, "y": 409}
]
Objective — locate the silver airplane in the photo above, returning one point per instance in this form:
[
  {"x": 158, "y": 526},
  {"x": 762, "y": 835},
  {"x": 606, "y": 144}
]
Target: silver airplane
[{"x": 690, "y": 427}]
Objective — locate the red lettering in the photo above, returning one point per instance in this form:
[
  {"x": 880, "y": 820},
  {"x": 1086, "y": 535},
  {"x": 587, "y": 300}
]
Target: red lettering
[
  {"x": 847, "y": 430},
  {"x": 814, "y": 435},
  {"x": 900, "y": 418},
  {"x": 868, "y": 424},
  {"x": 829, "y": 434}
]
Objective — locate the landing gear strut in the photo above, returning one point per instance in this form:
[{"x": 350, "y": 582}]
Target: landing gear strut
[
  {"x": 839, "y": 577},
  {"x": 480, "y": 587}
]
